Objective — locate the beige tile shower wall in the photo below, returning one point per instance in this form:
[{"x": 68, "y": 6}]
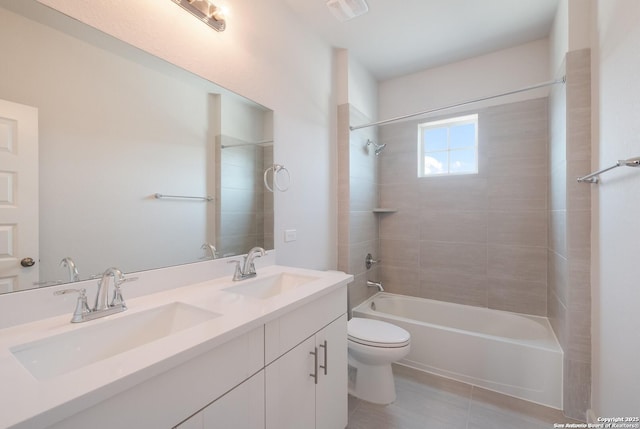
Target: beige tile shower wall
[
  {"x": 577, "y": 321},
  {"x": 267, "y": 215},
  {"x": 357, "y": 197},
  {"x": 472, "y": 239},
  {"x": 569, "y": 297},
  {"x": 343, "y": 187},
  {"x": 242, "y": 205},
  {"x": 557, "y": 252}
]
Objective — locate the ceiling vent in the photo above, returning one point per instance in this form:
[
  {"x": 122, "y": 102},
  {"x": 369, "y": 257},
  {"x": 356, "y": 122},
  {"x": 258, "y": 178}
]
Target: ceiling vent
[{"x": 344, "y": 10}]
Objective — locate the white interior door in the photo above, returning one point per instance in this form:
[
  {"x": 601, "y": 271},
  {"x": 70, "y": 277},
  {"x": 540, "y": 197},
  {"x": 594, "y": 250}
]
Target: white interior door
[{"x": 18, "y": 196}]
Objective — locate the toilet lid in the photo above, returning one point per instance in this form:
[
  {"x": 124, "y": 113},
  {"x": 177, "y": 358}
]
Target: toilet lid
[{"x": 376, "y": 333}]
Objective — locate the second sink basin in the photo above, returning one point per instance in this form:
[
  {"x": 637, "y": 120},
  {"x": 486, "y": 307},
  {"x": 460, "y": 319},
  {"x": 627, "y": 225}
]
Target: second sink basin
[
  {"x": 266, "y": 287},
  {"x": 88, "y": 344}
]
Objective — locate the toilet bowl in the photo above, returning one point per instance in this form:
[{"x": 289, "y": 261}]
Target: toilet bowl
[{"x": 373, "y": 346}]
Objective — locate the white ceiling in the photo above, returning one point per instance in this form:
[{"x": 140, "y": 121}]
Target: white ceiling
[{"x": 398, "y": 37}]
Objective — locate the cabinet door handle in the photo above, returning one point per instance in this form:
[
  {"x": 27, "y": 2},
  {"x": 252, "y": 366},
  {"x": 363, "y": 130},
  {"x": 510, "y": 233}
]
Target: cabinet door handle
[
  {"x": 315, "y": 365},
  {"x": 326, "y": 361}
]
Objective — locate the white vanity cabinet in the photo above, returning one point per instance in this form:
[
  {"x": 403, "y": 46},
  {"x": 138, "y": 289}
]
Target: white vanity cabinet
[
  {"x": 306, "y": 387},
  {"x": 242, "y": 408},
  {"x": 285, "y": 368},
  {"x": 331, "y": 390},
  {"x": 170, "y": 397},
  {"x": 304, "y": 384}
]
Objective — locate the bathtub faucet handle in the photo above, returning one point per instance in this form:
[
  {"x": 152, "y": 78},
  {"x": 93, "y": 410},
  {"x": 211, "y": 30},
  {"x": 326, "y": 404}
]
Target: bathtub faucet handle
[
  {"x": 375, "y": 284},
  {"x": 369, "y": 261}
]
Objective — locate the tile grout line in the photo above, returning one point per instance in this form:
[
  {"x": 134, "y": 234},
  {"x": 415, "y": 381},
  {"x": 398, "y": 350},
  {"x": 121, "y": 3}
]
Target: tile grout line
[{"x": 469, "y": 407}]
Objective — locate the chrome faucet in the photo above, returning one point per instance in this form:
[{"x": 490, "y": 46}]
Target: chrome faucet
[
  {"x": 209, "y": 250},
  {"x": 102, "y": 307},
  {"x": 102, "y": 296},
  {"x": 68, "y": 263},
  {"x": 248, "y": 268},
  {"x": 375, "y": 284}
]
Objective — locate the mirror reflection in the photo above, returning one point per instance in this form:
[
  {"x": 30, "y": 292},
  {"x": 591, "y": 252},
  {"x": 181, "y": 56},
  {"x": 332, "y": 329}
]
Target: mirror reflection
[{"x": 113, "y": 127}]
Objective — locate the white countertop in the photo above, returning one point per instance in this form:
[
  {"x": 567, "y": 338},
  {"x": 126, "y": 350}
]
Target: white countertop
[{"x": 27, "y": 402}]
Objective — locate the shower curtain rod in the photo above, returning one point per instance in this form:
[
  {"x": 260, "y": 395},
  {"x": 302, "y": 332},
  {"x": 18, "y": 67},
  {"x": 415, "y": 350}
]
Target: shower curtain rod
[{"x": 398, "y": 118}]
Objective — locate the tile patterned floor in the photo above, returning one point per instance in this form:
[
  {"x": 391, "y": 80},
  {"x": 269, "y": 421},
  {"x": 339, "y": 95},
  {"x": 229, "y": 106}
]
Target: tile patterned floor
[{"x": 425, "y": 401}]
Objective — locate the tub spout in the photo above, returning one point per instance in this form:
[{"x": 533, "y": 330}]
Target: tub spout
[{"x": 375, "y": 284}]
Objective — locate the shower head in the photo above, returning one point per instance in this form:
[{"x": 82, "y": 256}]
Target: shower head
[{"x": 378, "y": 148}]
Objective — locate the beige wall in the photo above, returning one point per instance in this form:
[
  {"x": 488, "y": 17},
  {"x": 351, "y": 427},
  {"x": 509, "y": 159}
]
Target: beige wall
[
  {"x": 358, "y": 196},
  {"x": 616, "y": 291},
  {"x": 569, "y": 294},
  {"x": 105, "y": 151},
  {"x": 472, "y": 239},
  {"x": 269, "y": 56}
]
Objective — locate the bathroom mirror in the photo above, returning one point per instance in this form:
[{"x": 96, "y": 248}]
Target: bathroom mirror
[{"x": 118, "y": 127}]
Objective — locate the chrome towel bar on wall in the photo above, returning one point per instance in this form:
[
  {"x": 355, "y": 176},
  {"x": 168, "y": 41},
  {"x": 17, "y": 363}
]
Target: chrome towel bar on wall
[
  {"x": 182, "y": 197},
  {"x": 592, "y": 178}
]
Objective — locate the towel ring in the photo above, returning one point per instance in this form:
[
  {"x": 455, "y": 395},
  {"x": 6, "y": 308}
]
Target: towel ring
[{"x": 276, "y": 168}]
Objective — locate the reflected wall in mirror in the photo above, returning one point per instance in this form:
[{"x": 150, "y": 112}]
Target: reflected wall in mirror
[{"x": 116, "y": 126}]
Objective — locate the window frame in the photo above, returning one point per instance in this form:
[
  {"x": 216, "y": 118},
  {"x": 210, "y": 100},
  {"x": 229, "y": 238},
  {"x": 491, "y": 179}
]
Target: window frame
[{"x": 447, "y": 123}]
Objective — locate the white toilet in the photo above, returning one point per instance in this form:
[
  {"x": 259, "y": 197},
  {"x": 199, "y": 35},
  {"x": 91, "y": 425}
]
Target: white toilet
[{"x": 373, "y": 346}]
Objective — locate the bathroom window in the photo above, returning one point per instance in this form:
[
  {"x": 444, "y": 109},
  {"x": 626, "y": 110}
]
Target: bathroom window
[{"x": 448, "y": 147}]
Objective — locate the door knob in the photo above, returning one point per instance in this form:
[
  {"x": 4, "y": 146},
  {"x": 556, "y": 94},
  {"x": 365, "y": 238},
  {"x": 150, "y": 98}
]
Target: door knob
[{"x": 27, "y": 262}]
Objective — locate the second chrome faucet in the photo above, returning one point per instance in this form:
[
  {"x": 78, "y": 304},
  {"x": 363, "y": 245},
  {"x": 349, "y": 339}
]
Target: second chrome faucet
[{"x": 248, "y": 268}]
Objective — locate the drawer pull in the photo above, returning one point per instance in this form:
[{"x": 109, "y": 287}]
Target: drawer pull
[
  {"x": 326, "y": 361},
  {"x": 315, "y": 365}
]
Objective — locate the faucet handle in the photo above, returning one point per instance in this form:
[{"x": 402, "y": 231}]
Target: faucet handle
[
  {"x": 82, "y": 308},
  {"x": 82, "y": 292},
  {"x": 117, "y": 292},
  {"x": 237, "y": 275},
  {"x": 369, "y": 261}
]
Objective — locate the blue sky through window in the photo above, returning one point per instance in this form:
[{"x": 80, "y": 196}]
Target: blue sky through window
[{"x": 449, "y": 147}]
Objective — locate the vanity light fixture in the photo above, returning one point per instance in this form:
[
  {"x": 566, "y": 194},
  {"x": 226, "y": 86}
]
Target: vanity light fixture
[{"x": 205, "y": 11}]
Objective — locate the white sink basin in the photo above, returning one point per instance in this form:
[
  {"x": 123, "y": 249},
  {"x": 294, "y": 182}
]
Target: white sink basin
[
  {"x": 63, "y": 353},
  {"x": 267, "y": 287}
]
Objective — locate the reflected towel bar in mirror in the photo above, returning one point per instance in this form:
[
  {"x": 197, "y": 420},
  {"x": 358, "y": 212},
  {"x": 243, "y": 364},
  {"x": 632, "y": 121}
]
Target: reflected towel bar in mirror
[{"x": 182, "y": 197}]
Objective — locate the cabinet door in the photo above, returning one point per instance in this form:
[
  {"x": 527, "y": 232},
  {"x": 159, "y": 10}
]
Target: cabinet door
[
  {"x": 291, "y": 390},
  {"x": 242, "y": 408},
  {"x": 331, "y": 391},
  {"x": 194, "y": 422}
]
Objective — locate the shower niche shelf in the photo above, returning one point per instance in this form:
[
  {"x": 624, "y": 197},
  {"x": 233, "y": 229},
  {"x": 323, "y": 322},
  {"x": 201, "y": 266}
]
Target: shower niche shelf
[{"x": 384, "y": 210}]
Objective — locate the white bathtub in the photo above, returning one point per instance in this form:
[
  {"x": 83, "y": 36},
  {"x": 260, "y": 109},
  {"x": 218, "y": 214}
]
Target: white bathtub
[{"x": 510, "y": 353}]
